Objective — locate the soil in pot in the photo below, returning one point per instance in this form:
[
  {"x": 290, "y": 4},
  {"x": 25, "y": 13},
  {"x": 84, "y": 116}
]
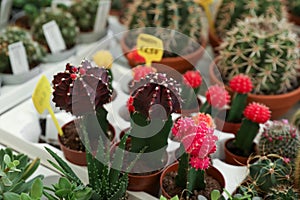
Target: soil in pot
[{"x": 172, "y": 189}]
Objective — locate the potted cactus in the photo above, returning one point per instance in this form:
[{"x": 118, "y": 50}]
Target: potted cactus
[
  {"x": 67, "y": 27},
  {"x": 83, "y": 91},
  {"x": 190, "y": 86},
  {"x": 150, "y": 107},
  {"x": 281, "y": 138},
  {"x": 85, "y": 11},
  {"x": 268, "y": 54},
  {"x": 229, "y": 12},
  {"x": 34, "y": 52},
  {"x": 241, "y": 85},
  {"x": 193, "y": 175},
  {"x": 293, "y": 8},
  {"x": 28, "y": 11},
  {"x": 107, "y": 180},
  {"x": 15, "y": 172},
  {"x": 238, "y": 149},
  {"x": 181, "y": 50},
  {"x": 270, "y": 177}
]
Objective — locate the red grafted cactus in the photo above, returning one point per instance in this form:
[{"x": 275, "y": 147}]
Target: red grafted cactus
[
  {"x": 192, "y": 78},
  {"x": 257, "y": 112},
  {"x": 156, "y": 89},
  {"x": 135, "y": 57},
  {"x": 241, "y": 84},
  {"x": 141, "y": 71},
  {"x": 81, "y": 90}
]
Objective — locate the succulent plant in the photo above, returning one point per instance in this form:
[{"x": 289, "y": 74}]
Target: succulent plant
[
  {"x": 15, "y": 170},
  {"x": 181, "y": 15},
  {"x": 65, "y": 22},
  {"x": 84, "y": 11},
  {"x": 266, "y": 50},
  {"x": 153, "y": 101},
  {"x": 294, "y": 7},
  {"x": 197, "y": 143},
  {"x": 279, "y": 137},
  {"x": 255, "y": 114},
  {"x": 106, "y": 181},
  {"x": 296, "y": 119},
  {"x": 13, "y": 34},
  {"x": 83, "y": 91},
  {"x": 283, "y": 192},
  {"x": 231, "y": 11}
]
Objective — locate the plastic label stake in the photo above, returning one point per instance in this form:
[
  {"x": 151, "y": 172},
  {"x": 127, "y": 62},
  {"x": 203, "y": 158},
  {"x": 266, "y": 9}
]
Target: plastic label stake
[
  {"x": 150, "y": 47},
  {"x": 18, "y": 58},
  {"x": 102, "y": 15},
  {"x": 205, "y": 4},
  {"x": 41, "y": 100},
  {"x": 5, "y": 10},
  {"x": 53, "y": 36}
]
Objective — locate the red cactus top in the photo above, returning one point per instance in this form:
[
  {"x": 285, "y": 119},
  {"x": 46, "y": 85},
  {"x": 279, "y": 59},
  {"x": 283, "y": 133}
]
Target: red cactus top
[
  {"x": 241, "y": 84},
  {"x": 133, "y": 55},
  {"x": 217, "y": 96},
  {"x": 192, "y": 78},
  {"x": 257, "y": 112},
  {"x": 141, "y": 71}
]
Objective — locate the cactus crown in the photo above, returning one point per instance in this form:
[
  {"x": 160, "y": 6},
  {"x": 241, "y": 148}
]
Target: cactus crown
[
  {"x": 15, "y": 170},
  {"x": 266, "y": 50},
  {"x": 279, "y": 137},
  {"x": 231, "y": 11},
  {"x": 81, "y": 90},
  {"x": 65, "y": 22},
  {"x": 174, "y": 15},
  {"x": 84, "y": 11},
  {"x": 13, "y": 34}
]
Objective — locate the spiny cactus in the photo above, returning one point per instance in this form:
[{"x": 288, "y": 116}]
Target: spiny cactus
[
  {"x": 279, "y": 137},
  {"x": 296, "y": 119},
  {"x": 10, "y": 35},
  {"x": 294, "y": 7},
  {"x": 269, "y": 172},
  {"x": 65, "y": 22},
  {"x": 264, "y": 49},
  {"x": 282, "y": 192},
  {"x": 179, "y": 15},
  {"x": 231, "y": 11},
  {"x": 84, "y": 11},
  {"x": 15, "y": 169}
]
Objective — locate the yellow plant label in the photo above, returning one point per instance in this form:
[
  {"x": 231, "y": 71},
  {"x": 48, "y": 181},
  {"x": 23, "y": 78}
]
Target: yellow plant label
[
  {"x": 205, "y": 4},
  {"x": 41, "y": 100},
  {"x": 150, "y": 47}
]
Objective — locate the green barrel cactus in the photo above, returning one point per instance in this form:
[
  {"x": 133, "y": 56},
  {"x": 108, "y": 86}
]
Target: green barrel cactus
[
  {"x": 231, "y": 11},
  {"x": 180, "y": 15},
  {"x": 279, "y": 137},
  {"x": 65, "y": 22},
  {"x": 84, "y": 11},
  {"x": 266, "y": 50},
  {"x": 283, "y": 192},
  {"x": 13, "y": 34}
]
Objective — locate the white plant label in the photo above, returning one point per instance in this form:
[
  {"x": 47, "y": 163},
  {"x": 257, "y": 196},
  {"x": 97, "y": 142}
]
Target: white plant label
[
  {"x": 102, "y": 15},
  {"x": 18, "y": 58},
  {"x": 5, "y": 10},
  {"x": 53, "y": 36}
]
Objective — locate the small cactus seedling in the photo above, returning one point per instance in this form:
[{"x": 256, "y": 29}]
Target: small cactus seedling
[
  {"x": 65, "y": 22},
  {"x": 279, "y": 137},
  {"x": 255, "y": 114},
  {"x": 266, "y": 50},
  {"x": 231, "y": 11},
  {"x": 13, "y": 34},
  {"x": 197, "y": 143}
]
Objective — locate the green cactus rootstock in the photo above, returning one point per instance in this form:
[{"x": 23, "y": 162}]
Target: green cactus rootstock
[
  {"x": 266, "y": 50},
  {"x": 279, "y": 137},
  {"x": 231, "y": 11}
]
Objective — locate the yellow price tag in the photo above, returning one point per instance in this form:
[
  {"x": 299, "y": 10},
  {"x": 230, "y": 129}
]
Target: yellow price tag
[
  {"x": 41, "y": 100},
  {"x": 205, "y": 4},
  {"x": 150, "y": 47}
]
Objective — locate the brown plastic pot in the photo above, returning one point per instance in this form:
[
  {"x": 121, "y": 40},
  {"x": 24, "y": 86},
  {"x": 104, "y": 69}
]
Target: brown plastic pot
[
  {"x": 293, "y": 18},
  {"x": 179, "y": 63},
  {"x": 227, "y": 127},
  {"x": 232, "y": 158},
  {"x": 211, "y": 171},
  {"x": 74, "y": 156},
  {"x": 279, "y": 104}
]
